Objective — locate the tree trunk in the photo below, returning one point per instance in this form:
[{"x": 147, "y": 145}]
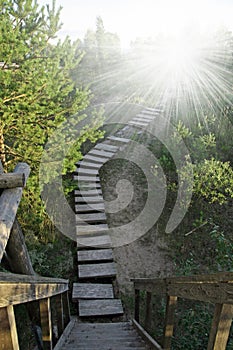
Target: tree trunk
[{"x": 17, "y": 253}]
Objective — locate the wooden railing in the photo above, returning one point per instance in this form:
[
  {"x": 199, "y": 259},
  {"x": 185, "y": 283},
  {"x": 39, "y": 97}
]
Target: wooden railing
[
  {"x": 19, "y": 289},
  {"x": 215, "y": 288},
  {"x": 26, "y": 287}
]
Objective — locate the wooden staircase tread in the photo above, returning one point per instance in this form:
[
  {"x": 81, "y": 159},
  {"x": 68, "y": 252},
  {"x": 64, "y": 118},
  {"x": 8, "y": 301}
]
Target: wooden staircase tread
[
  {"x": 89, "y": 186},
  {"x": 86, "y": 178},
  {"x": 82, "y": 230},
  {"x": 107, "y": 269},
  {"x": 87, "y": 171},
  {"x": 101, "y": 241},
  {"x": 137, "y": 123},
  {"x": 94, "y": 192},
  {"x": 96, "y": 336},
  {"x": 142, "y": 119},
  {"x": 92, "y": 291},
  {"x": 147, "y": 116},
  {"x": 101, "y": 307},
  {"x": 105, "y": 154},
  {"x": 95, "y": 159},
  {"x": 95, "y": 255},
  {"x": 86, "y": 164},
  {"x": 84, "y": 208},
  {"x": 118, "y": 139},
  {"x": 89, "y": 200},
  {"x": 91, "y": 218},
  {"x": 106, "y": 147}
]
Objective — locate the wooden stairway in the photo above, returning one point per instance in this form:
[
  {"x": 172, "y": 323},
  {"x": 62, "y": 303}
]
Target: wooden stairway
[
  {"x": 101, "y": 336},
  {"x": 94, "y": 292}
]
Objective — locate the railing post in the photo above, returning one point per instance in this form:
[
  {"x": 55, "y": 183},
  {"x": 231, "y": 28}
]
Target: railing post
[
  {"x": 148, "y": 311},
  {"x": 8, "y": 331},
  {"x": 221, "y": 325},
  {"x": 137, "y": 304},
  {"x": 169, "y": 321},
  {"x": 66, "y": 308},
  {"x": 46, "y": 323},
  {"x": 60, "y": 314}
]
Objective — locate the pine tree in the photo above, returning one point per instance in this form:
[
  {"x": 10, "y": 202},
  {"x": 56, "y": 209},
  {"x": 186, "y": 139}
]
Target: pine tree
[{"x": 37, "y": 93}]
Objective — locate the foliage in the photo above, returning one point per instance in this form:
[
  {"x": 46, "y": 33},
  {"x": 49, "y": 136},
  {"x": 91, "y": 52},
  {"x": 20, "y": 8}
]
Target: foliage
[{"x": 37, "y": 93}]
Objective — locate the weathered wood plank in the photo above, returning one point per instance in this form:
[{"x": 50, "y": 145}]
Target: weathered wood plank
[
  {"x": 8, "y": 330},
  {"x": 92, "y": 291},
  {"x": 89, "y": 200},
  {"x": 106, "y": 147},
  {"x": 95, "y": 192},
  {"x": 138, "y": 124},
  {"x": 137, "y": 119},
  {"x": 59, "y": 314},
  {"x": 95, "y": 255},
  {"x": 91, "y": 218},
  {"x": 221, "y": 326},
  {"x": 102, "y": 241},
  {"x": 86, "y": 164},
  {"x": 83, "y": 230},
  {"x": 85, "y": 178},
  {"x": 146, "y": 336},
  {"x": 12, "y": 180},
  {"x": 46, "y": 323},
  {"x": 100, "y": 153},
  {"x": 90, "y": 158},
  {"x": 118, "y": 139},
  {"x": 100, "y": 307},
  {"x": 145, "y": 115},
  {"x": 22, "y": 289},
  {"x": 208, "y": 292},
  {"x": 83, "y": 208},
  {"x": 9, "y": 202},
  {"x": 87, "y": 171},
  {"x": 97, "y": 270},
  {"x": 169, "y": 322}
]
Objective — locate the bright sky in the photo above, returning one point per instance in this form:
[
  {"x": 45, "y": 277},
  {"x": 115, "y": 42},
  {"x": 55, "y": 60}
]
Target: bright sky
[{"x": 140, "y": 18}]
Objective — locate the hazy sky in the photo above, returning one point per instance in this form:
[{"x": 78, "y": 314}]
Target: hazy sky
[{"x": 133, "y": 18}]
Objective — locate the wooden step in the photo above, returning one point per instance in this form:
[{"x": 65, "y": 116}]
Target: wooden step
[
  {"x": 87, "y": 171},
  {"x": 91, "y": 218},
  {"x": 96, "y": 152},
  {"x": 106, "y": 147},
  {"x": 89, "y": 199},
  {"x": 142, "y": 119},
  {"x": 86, "y": 164},
  {"x": 118, "y": 139},
  {"x": 138, "y": 124},
  {"x": 102, "y": 270},
  {"x": 90, "y": 308},
  {"x": 104, "y": 336},
  {"x": 85, "y": 178},
  {"x": 94, "y": 207},
  {"x": 88, "y": 193},
  {"x": 98, "y": 241},
  {"x": 92, "y": 291},
  {"x": 89, "y": 186},
  {"x": 82, "y": 230},
  {"x": 148, "y": 117},
  {"x": 96, "y": 255},
  {"x": 95, "y": 159}
]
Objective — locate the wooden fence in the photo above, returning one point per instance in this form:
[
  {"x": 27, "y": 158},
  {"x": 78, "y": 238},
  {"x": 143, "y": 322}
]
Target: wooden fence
[
  {"x": 215, "y": 288},
  {"x": 24, "y": 288}
]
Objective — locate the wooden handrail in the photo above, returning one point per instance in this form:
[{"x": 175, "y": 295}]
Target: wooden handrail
[
  {"x": 9, "y": 203},
  {"x": 18, "y": 289},
  {"x": 214, "y": 288}
]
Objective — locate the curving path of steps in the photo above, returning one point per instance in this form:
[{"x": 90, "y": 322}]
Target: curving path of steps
[{"x": 96, "y": 269}]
